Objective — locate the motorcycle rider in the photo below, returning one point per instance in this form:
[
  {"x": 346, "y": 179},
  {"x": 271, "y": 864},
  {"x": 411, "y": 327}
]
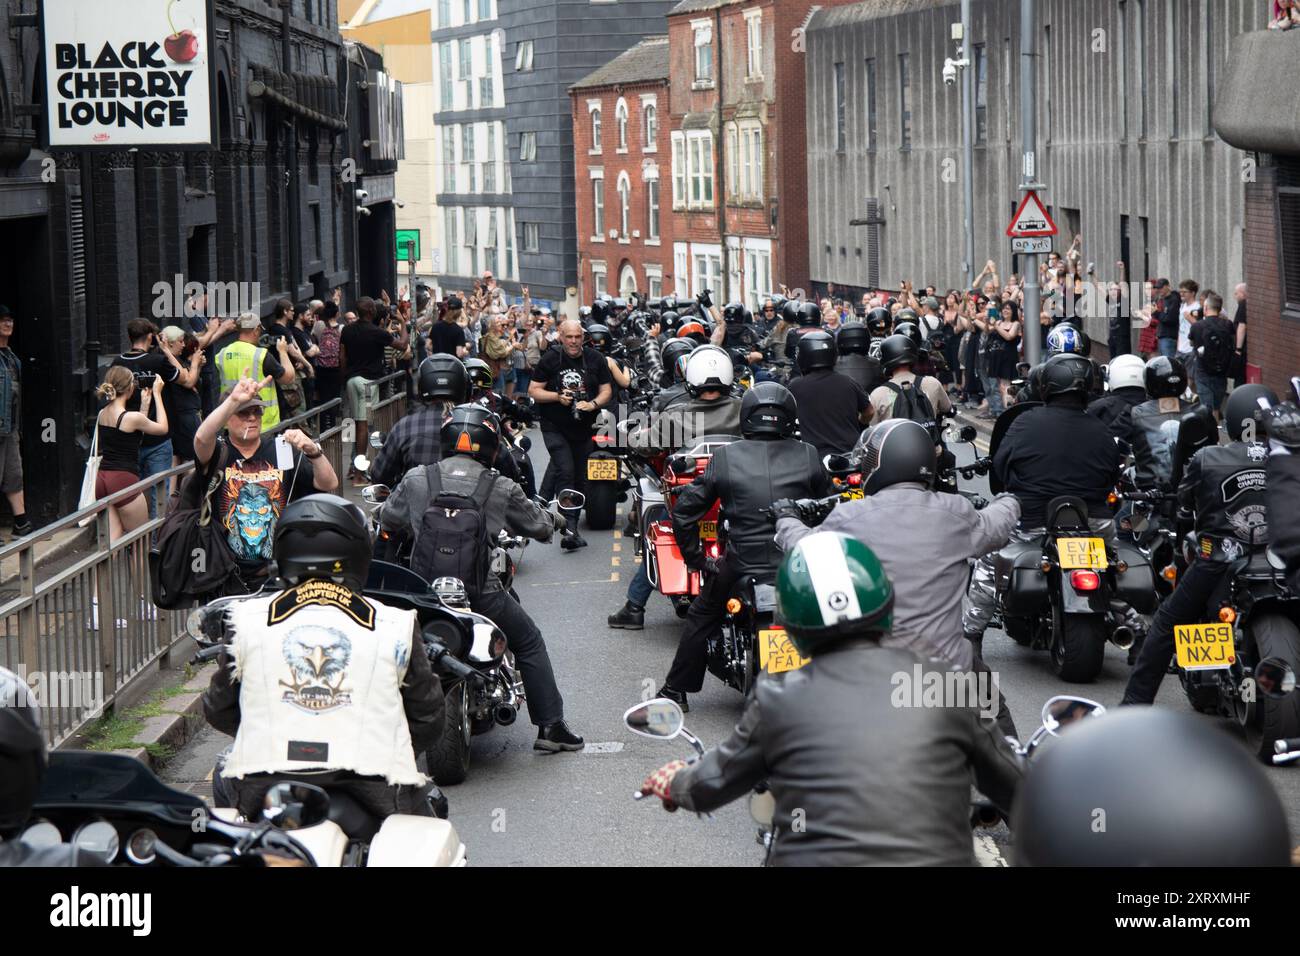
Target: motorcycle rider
[
  {"x": 924, "y": 540},
  {"x": 1125, "y": 390},
  {"x": 1155, "y": 422},
  {"x": 442, "y": 382},
  {"x": 1224, "y": 486},
  {"x": 748, "y": 475},
  {"x": 853, "y": 341},
  {"x": 674, "y": 383},
  {"x": 899, "y": 355},
  {"x": 1049, "y": 452},
  {"x": 820, "y": 736},
  {"x": 469, "y": 448},
  {"x": 832, "y": 407},
  {"x": 327, "y": 686},
  {"x": 1283, "y": 426}
]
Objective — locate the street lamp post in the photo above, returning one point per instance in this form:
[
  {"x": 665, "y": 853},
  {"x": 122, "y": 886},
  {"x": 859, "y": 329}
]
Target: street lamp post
[{"x": 1029, "y": 174}]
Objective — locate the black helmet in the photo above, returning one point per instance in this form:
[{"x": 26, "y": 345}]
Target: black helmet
[
  {"x": 735, "y": 312},
  {"x": 584, "y": 315},
  {"x": 22, "y": 752},
  {"x": 480, "y": 373},
  {"x": 898, "y": 350},
  {"x": 668, "y": 319},
  {"x": 1242, "y": 406},
  {"x": 673, "y": 350},
  {"x": 853, "y": 338},
  {"x": 1066, "y": 374},
  {"x": 600, "y": 310},
  {"x": 1165, "y": 377},
  {"x": 1153, "y": 794},
  {"x": 471, "y": 430},
  {"x": 443, "y": 377},
  {"x": 913, "y": 332},
  {"x": 879, "y": 321},
  {"x": 1034, "y": 384},
  {"x": 816, "y": 350},
  {"x": 768, "y": 410},
  {"x": 895, "y": 451},
  {"x": 599, "y": 338},
  {"x": 323, "y": 537},
  {"x": 810, "y": 315},
  {"x": 668, "y": 304},
  {"x": 792, "y": 312}
]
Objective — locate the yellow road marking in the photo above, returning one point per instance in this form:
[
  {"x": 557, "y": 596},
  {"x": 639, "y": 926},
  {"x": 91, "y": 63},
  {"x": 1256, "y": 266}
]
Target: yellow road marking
[
  {"x": 617, "y": 547},
  {"x": 614, "y": 562}
]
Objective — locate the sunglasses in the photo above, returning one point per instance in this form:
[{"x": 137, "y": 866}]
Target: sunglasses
[{"x": 248, "y": 413}]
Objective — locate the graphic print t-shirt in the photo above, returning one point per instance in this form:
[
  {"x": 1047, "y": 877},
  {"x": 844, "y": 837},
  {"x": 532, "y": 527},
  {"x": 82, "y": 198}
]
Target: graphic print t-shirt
[{"x": 251, "y": 495}]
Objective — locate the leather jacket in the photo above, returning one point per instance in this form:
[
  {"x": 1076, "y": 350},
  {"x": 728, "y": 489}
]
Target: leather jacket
[
  {"x": 1226, "y": 487},
  {"x": 684, "y": 423},
  {"x": 823, "y": 736},
  {"x": 748, "y": 476},
  {"x": 1115, "y": 409},
  {"x": 1155, "y": 433},
  {"x": 863, "y": 369},
  {"x": 1284, "y": 519}
]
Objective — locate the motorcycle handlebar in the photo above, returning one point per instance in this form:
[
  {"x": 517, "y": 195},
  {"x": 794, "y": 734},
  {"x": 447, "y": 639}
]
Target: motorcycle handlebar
[{"x": 440, "y": 656}]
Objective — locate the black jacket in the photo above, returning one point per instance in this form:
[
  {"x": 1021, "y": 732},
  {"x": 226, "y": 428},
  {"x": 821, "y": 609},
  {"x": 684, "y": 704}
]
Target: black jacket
[
  {"x": 1284, "y": 517},
  {"x": 413, "y": 441},
  {"x": 1053, "y": 451},
  {"x": 863, "y": 369},
  {"x": 1155, "y": 435},
  {"x": 1225, "y": 486},
  {"x": 1169, "y": 316},
  {"x": 1115, "y": 408},
  {"x": 871, "y": 778},
  {"x": 748, "y": 476}
]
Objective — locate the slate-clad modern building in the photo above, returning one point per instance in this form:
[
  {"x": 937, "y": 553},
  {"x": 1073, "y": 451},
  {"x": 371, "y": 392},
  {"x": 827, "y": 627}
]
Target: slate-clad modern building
[{"x": 237, "y": 215}]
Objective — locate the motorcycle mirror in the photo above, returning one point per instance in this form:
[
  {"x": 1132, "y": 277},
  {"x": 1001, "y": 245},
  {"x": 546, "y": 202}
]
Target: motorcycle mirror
[
  {"x": 361, "y": 463},
  {"x": 681, "y": 464},
  {"x": 570, "y": 500},
  {"x": 376, "y": 439},
  {"x": 374, "y": 494},
  {"x": 1062, "y": 710},
  {"x": 836, "y": 463},
  {"x": 294, "y": 806},
  {"x": 660, "y": 718},
  {"x": 206, "y": 623},
  {"x": 1274, "y": 678},
  {"x": 968, "y": 434}
]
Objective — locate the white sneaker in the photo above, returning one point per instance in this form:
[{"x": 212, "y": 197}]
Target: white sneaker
[{"x": 93, "y": 623}]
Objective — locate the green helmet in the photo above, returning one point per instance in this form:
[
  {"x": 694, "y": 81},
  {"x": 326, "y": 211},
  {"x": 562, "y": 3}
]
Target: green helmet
[{"x": 830, "y": 587}]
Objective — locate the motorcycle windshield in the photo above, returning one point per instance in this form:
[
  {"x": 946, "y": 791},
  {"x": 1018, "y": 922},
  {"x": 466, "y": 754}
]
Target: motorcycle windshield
[
  {"x": 108, "y": 780},
  {"x": 395, "y": 578}
]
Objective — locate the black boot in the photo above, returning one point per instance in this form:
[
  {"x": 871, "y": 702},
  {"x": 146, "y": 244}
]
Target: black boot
[
  {"x": 977, "y": 642},
  {"x": 572, "y": 542},
  {"x": 678, "y": 697},
  {"x": 556, "y": 737},
  {"x": 630, "y": 617}
]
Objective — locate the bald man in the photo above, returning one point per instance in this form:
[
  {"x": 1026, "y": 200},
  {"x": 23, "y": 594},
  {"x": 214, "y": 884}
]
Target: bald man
[{"x": 570, "y": 385}]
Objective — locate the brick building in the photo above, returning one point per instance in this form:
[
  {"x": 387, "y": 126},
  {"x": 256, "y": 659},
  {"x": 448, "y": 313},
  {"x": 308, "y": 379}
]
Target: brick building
[
  {"x": 621, "y": 156},
  {"x": 740, "y": 186}
]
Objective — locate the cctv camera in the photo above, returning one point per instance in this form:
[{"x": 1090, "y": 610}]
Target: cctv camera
[
  {"x": 364, "y": 211},
  {"x": 399, "y": 204},
  {"x": 362, "y": 195},
  {"x": 949, "y": 72}
]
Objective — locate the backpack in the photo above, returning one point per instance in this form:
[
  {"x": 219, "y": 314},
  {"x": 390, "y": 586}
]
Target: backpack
[
  {"x": 190, "y": 559},
  {"x": 328, "y": 357},
  {"x": 911, "y": 403},
  {"x": 453, "y": 541},
  {"x": 1218, "y": 351}
]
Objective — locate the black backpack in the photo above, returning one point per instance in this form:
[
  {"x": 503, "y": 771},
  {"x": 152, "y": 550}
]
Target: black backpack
[
  {"x": 911, "y": 403},
  {"x": 1218, "y": 351},
  {"x": 454, "y": 540}
]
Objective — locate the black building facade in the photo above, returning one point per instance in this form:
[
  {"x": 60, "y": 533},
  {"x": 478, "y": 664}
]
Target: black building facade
[{"x": 272, "y": 211}]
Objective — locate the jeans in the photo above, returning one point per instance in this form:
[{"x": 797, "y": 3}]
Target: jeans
[
  {"x": 545, "y": 705},
  {"x": 993, "y": 390},
  {"x": 1168, "y": 347},
  {"x": 154, "y": 461},
  {"x": 703, "y": 619},
  {"x": 1202, "y": 584},
  {"x": 1211, "y": 389},
  {"x": 568, "y": 467},
  {"x": 639, "y": 588}
]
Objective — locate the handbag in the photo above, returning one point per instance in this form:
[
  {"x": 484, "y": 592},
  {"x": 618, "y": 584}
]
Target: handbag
[
  {"x": 89, "y": 479},
  {"x": 190, "y": 558}
]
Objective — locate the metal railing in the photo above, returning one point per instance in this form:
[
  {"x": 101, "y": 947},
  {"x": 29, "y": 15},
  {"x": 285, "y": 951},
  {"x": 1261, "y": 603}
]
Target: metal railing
[{"x": 82, "y": 634}]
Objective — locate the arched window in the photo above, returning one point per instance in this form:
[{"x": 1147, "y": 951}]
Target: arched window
[
  {"x": 620, "y": 116},
  {"x": 627, "y": 280},
  {"x": 625, "y": 203}
]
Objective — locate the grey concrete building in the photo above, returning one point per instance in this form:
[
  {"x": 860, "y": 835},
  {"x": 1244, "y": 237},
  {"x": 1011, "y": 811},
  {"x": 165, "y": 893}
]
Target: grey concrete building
[{"x": 1126, "y": 143}]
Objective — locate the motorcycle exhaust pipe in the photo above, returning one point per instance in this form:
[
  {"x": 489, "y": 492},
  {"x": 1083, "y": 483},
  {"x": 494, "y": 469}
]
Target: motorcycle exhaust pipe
[
  {"x": 505, "y": 714},
  {"x": 1123, "y": 637}
]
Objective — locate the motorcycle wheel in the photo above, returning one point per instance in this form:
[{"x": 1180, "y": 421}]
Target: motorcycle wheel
[
  {"x": 1204, "y": 698},
  {"x": 1020, "y": 630},
  {"x": 1078, "y": 646},
  {"x": 602, "y": 504},
  {"x": 448, "y": 759},
  {"x": 1267, "y": 720}
]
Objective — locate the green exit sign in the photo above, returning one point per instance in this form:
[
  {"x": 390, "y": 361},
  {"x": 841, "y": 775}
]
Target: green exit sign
[{"x": 404, "y": 238}]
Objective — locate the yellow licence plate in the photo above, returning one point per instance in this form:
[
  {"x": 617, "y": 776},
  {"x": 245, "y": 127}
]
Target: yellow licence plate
[
  {"x": 1082, "y": 553},
  {"x": 776, "y": 654},
  {"x": 708, "y": 531},
  {"x": 1204, "y": 647},
  {"x": 851, "y": 494},
  {"x": 602, "y": 469}
]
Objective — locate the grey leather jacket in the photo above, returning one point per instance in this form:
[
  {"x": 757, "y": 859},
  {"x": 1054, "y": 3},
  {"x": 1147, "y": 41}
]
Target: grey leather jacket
[{"x": 870, "y": 779}]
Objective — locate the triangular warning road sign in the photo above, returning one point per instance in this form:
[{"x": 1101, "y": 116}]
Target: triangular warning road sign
[{"x": 1031, "y": 219}]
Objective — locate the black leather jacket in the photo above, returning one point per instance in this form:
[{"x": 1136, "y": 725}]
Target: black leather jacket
[
  {"x": 1226, "y": 487},
  {"x": 1155, "y": 433},
  {"x": 863, "y": 369},
  {"x": 748, "y": 476},
  {"x": 822, "y": 737},
  {"x": 1115, "y": 408}
]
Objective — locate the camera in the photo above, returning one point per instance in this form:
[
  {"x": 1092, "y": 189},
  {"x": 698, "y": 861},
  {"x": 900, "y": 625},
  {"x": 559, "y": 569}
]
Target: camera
[
  {"x": 362, "y": 195},
  {"x": 144, "y": 380},
  {"x": 949, "y": 72}
]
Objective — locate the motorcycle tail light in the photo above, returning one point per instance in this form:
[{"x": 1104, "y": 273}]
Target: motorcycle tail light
[
  {"x": 1170, "y": 573},
  {"x": 1112, "y": 499},
  {"x": 733, "y": 606},
  {"x": 1227, "y": 615},
  {"x": 1085, "y": 580},
  {"x": 714, "y": 551},
  {"x": 855, "y": 480}
]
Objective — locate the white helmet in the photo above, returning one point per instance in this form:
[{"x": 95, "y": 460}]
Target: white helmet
[
  {"x": 1126, "y": 371},
  {"x": 708, "y": 367}
]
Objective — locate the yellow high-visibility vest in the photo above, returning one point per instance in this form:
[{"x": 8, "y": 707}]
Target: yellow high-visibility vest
[{"x": 240, "y": 360}]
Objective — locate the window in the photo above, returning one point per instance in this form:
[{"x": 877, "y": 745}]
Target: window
[
  {"x": 681, "y": 268},
  {"x": 532, "y": 237},
  {"x": 511, "y": 272},
  {"x": 839, "y": 107},
  {"x": 699, "y": 168},
  {"x": 627, "y": 281},
  {"x": 490, "y": 164},
  {"x": 654, "y": 282},
  {"x": 449, "y": 135},
  {"x": 624, "y": 204},
  {"x": 904, "y": 101},
  {"x": 444, "y": 14},
  {"x": 754, "y": 43},
  {"x": 1288, "y": 219},
  {"x": 981, "y": 93},
  {"x": 704, "y": 54},
  {"x": 599, "y": 284},
  {"x": 651, "y": 128},
  {"x": 490, "y": 258},
  {"x": 679, "y": 170},
  {"x": 733, "y": 160},
  {"x": 751, "y": 151},
  {"x": 598, "y": 207},
  {"x": 453, "y": 240},
  {"x": 528, "y": 147},
  {"x": 620, "y": 117},
  {"x": 485, "y": 9},
  {"x": 708, "y": 273},
  {"x": 652, "y": 209},
  {"x": 524, "y": 57},
  {"x": 471, "y": 238},
  {"x": 758, "y": 276},
  {"x": 447, "y": 91},
  {"x": 485, "y": 92},
  {"x": 467, "y": 155},
  {"x": 871, "y": 104},
  {"x": 466, "y": 59},
  {"x": 595, "y": 131},
  {"x": 469, "y": 11}
]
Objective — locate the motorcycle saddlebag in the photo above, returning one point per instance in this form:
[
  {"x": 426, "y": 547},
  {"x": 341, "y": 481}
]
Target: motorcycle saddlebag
[
  {"x": 674, "y": 577},
  {"x": 1027, "y": 594},
  {"x": 1135, "y": 586}
]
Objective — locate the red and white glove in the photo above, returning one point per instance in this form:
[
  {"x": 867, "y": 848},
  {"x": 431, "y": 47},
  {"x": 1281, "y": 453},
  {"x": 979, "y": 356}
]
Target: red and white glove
[{"x": 659, "y": 783}]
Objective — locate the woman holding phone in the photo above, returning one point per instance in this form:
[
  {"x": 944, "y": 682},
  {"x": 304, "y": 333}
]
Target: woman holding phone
[{"x": 118, "y": 433}]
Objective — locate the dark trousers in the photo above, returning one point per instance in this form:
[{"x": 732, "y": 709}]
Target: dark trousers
[
  {"x": 545, "y": 705},
  {"x": 702, "y": 621},
  {"x": 568, "y": 467},
  {"x": 328, "y": 383},
  {"x": 1203, "y": 583},
  {"x": 1003, "y": 719}
]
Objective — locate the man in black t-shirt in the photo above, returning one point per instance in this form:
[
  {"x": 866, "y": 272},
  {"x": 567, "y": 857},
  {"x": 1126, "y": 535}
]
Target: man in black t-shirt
[
  {"x": 446, "y": 337},
  {"x": 361, "y": 354},
  {"x": 570, "y": 385},
  {"x": 832, "y": 410},
  {"x": 145, "y": 361}
]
